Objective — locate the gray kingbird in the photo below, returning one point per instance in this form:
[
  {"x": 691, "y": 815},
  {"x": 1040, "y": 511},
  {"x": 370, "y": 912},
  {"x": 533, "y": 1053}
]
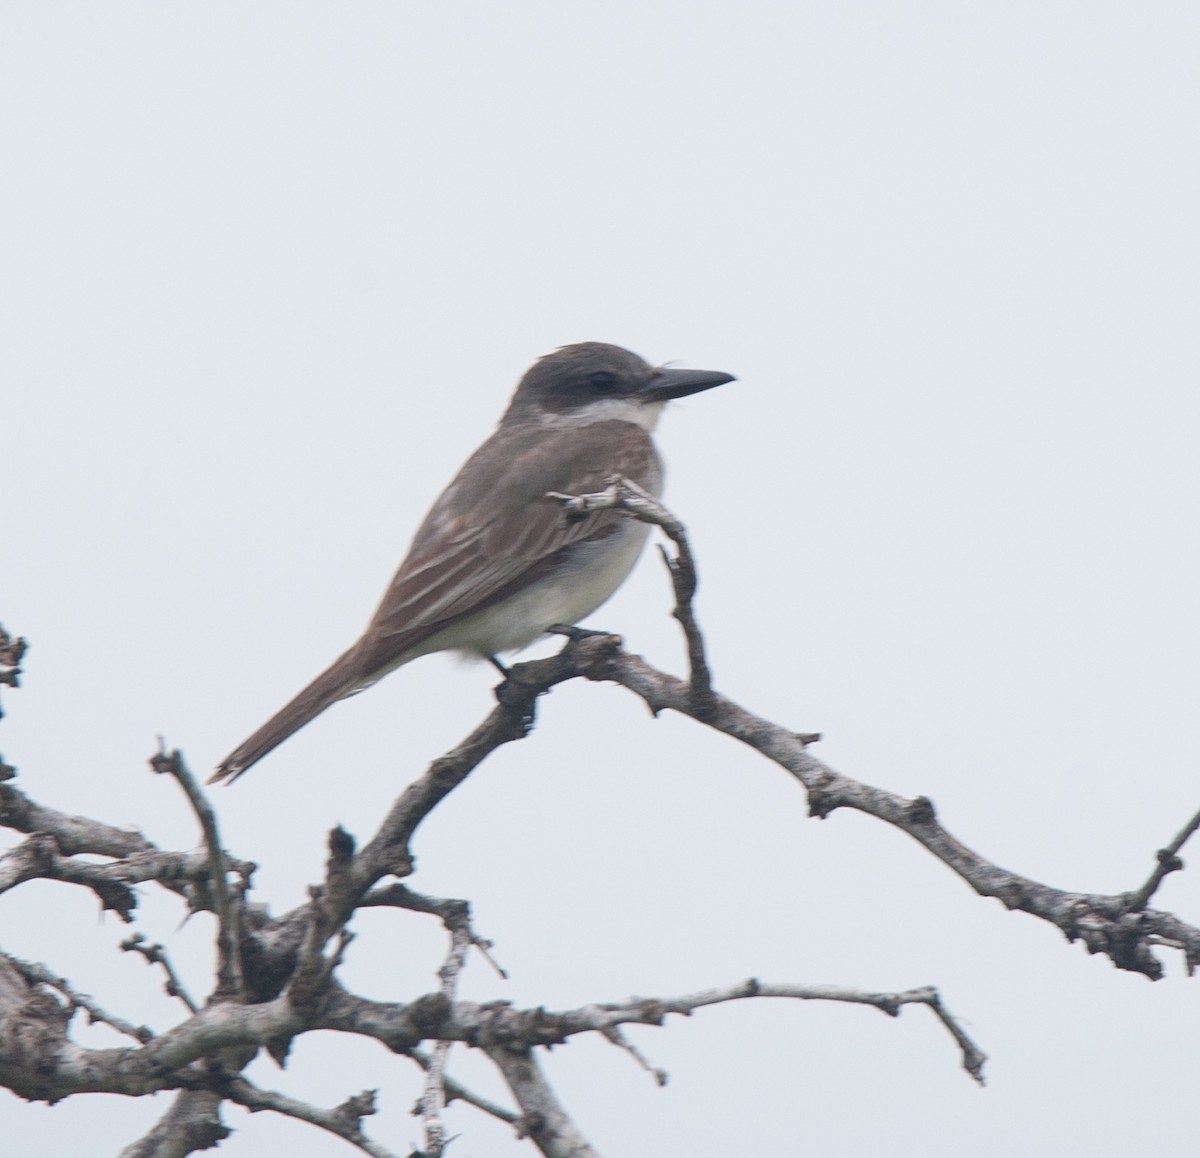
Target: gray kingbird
[{"x": 496, "y": 562}]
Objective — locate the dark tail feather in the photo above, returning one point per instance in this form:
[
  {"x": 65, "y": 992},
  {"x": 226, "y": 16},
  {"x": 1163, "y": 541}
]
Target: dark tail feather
[{"x": 335, "y": 683}]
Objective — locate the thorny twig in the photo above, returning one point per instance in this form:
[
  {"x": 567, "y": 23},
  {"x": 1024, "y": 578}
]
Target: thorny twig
[
  {"x": 229, "y": 965},
  {"x": 1168, "y": 861},
  {"x": 156, "y": 954},
  {"x": 433, "y": 1095},
  {"x": 457, "y": 1092},
  {"x": 38, "y": 974},
  {"x": 345, "y": 1120}
]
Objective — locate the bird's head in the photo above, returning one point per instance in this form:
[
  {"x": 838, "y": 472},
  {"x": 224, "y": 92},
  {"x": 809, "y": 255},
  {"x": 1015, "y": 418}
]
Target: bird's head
[{"x": 593, "y": 381}]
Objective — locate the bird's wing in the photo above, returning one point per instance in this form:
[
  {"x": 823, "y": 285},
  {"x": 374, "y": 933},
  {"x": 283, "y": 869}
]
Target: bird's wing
[{"x": 493, "y": 532}]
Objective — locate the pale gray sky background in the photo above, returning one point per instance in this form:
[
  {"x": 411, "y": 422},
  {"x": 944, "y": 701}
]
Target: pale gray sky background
[{"x": 269, "y": 272}]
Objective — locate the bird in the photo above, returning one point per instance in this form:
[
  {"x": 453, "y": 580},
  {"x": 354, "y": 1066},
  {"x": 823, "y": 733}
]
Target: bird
[{"x": 496, "y": 562}]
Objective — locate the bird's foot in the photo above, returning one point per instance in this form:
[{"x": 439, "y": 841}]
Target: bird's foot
[{"x": 574, "y": 634}]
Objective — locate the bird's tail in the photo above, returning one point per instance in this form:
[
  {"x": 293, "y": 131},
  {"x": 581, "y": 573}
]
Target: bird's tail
[{"x": 342, "y": 678}]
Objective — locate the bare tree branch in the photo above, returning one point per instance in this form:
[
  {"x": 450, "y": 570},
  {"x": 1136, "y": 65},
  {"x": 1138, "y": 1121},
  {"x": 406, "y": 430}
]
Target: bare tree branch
[
  {"x": 192, "y": 1123},
  {"x": 458, "y": 1092},
  {"x": 11, "y": 652},
  {"x": 33, "y": 1026},
  {"x": 614, "y": 1034},
  {"x": 345, "y": 1120},
  {"x": 37, "y": 974},
  {"x": 156, "y": 954},
  {"x": 1103, "y": 922},
  {"x": 543, "y": 1121},
  {"x": 1167, "y": 862},
  {"x": 433, "y": 1096},
  {"x": 58, "y": 839},
  {"x": 400, "y": 1026},
  {"x": 229, "y": 965},
  {"x": 396, "y": 895},
  {"x": 72, "y": 834},
  {"x": 164, "y": 1061}
]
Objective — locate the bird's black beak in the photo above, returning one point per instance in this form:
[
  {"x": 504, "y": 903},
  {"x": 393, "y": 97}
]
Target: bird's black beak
[{"x": 667, "y": 383}]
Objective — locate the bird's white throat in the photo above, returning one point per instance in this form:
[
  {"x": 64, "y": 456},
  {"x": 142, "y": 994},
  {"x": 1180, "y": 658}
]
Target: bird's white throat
[{"x": 643, "y": 414}]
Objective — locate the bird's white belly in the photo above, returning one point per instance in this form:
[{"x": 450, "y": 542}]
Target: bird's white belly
[{"x": 593, "y": 572}]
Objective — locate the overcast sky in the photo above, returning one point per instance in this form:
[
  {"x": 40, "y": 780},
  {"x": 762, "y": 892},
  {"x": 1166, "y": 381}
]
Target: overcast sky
[{"x": 269, "y": 273}]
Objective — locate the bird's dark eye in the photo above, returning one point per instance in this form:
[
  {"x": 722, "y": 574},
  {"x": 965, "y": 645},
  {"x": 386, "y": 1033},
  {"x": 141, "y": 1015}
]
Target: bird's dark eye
[{"x": 602, "y": 381}]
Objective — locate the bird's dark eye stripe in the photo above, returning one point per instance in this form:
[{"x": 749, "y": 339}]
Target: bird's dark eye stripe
[{"x": 602, "y": 380}]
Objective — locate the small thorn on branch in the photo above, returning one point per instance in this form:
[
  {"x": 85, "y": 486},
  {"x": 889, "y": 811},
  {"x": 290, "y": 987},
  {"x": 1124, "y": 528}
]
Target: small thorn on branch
[
  {"x": 1167, "y": 861},
  {"x": 485, "y": 951},
  {"x": 614, "y": 1034},
  {"x": 169, "y": 763},
  {"x": 11, "y": 652},
  {"x": 156, "y": 954}
]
